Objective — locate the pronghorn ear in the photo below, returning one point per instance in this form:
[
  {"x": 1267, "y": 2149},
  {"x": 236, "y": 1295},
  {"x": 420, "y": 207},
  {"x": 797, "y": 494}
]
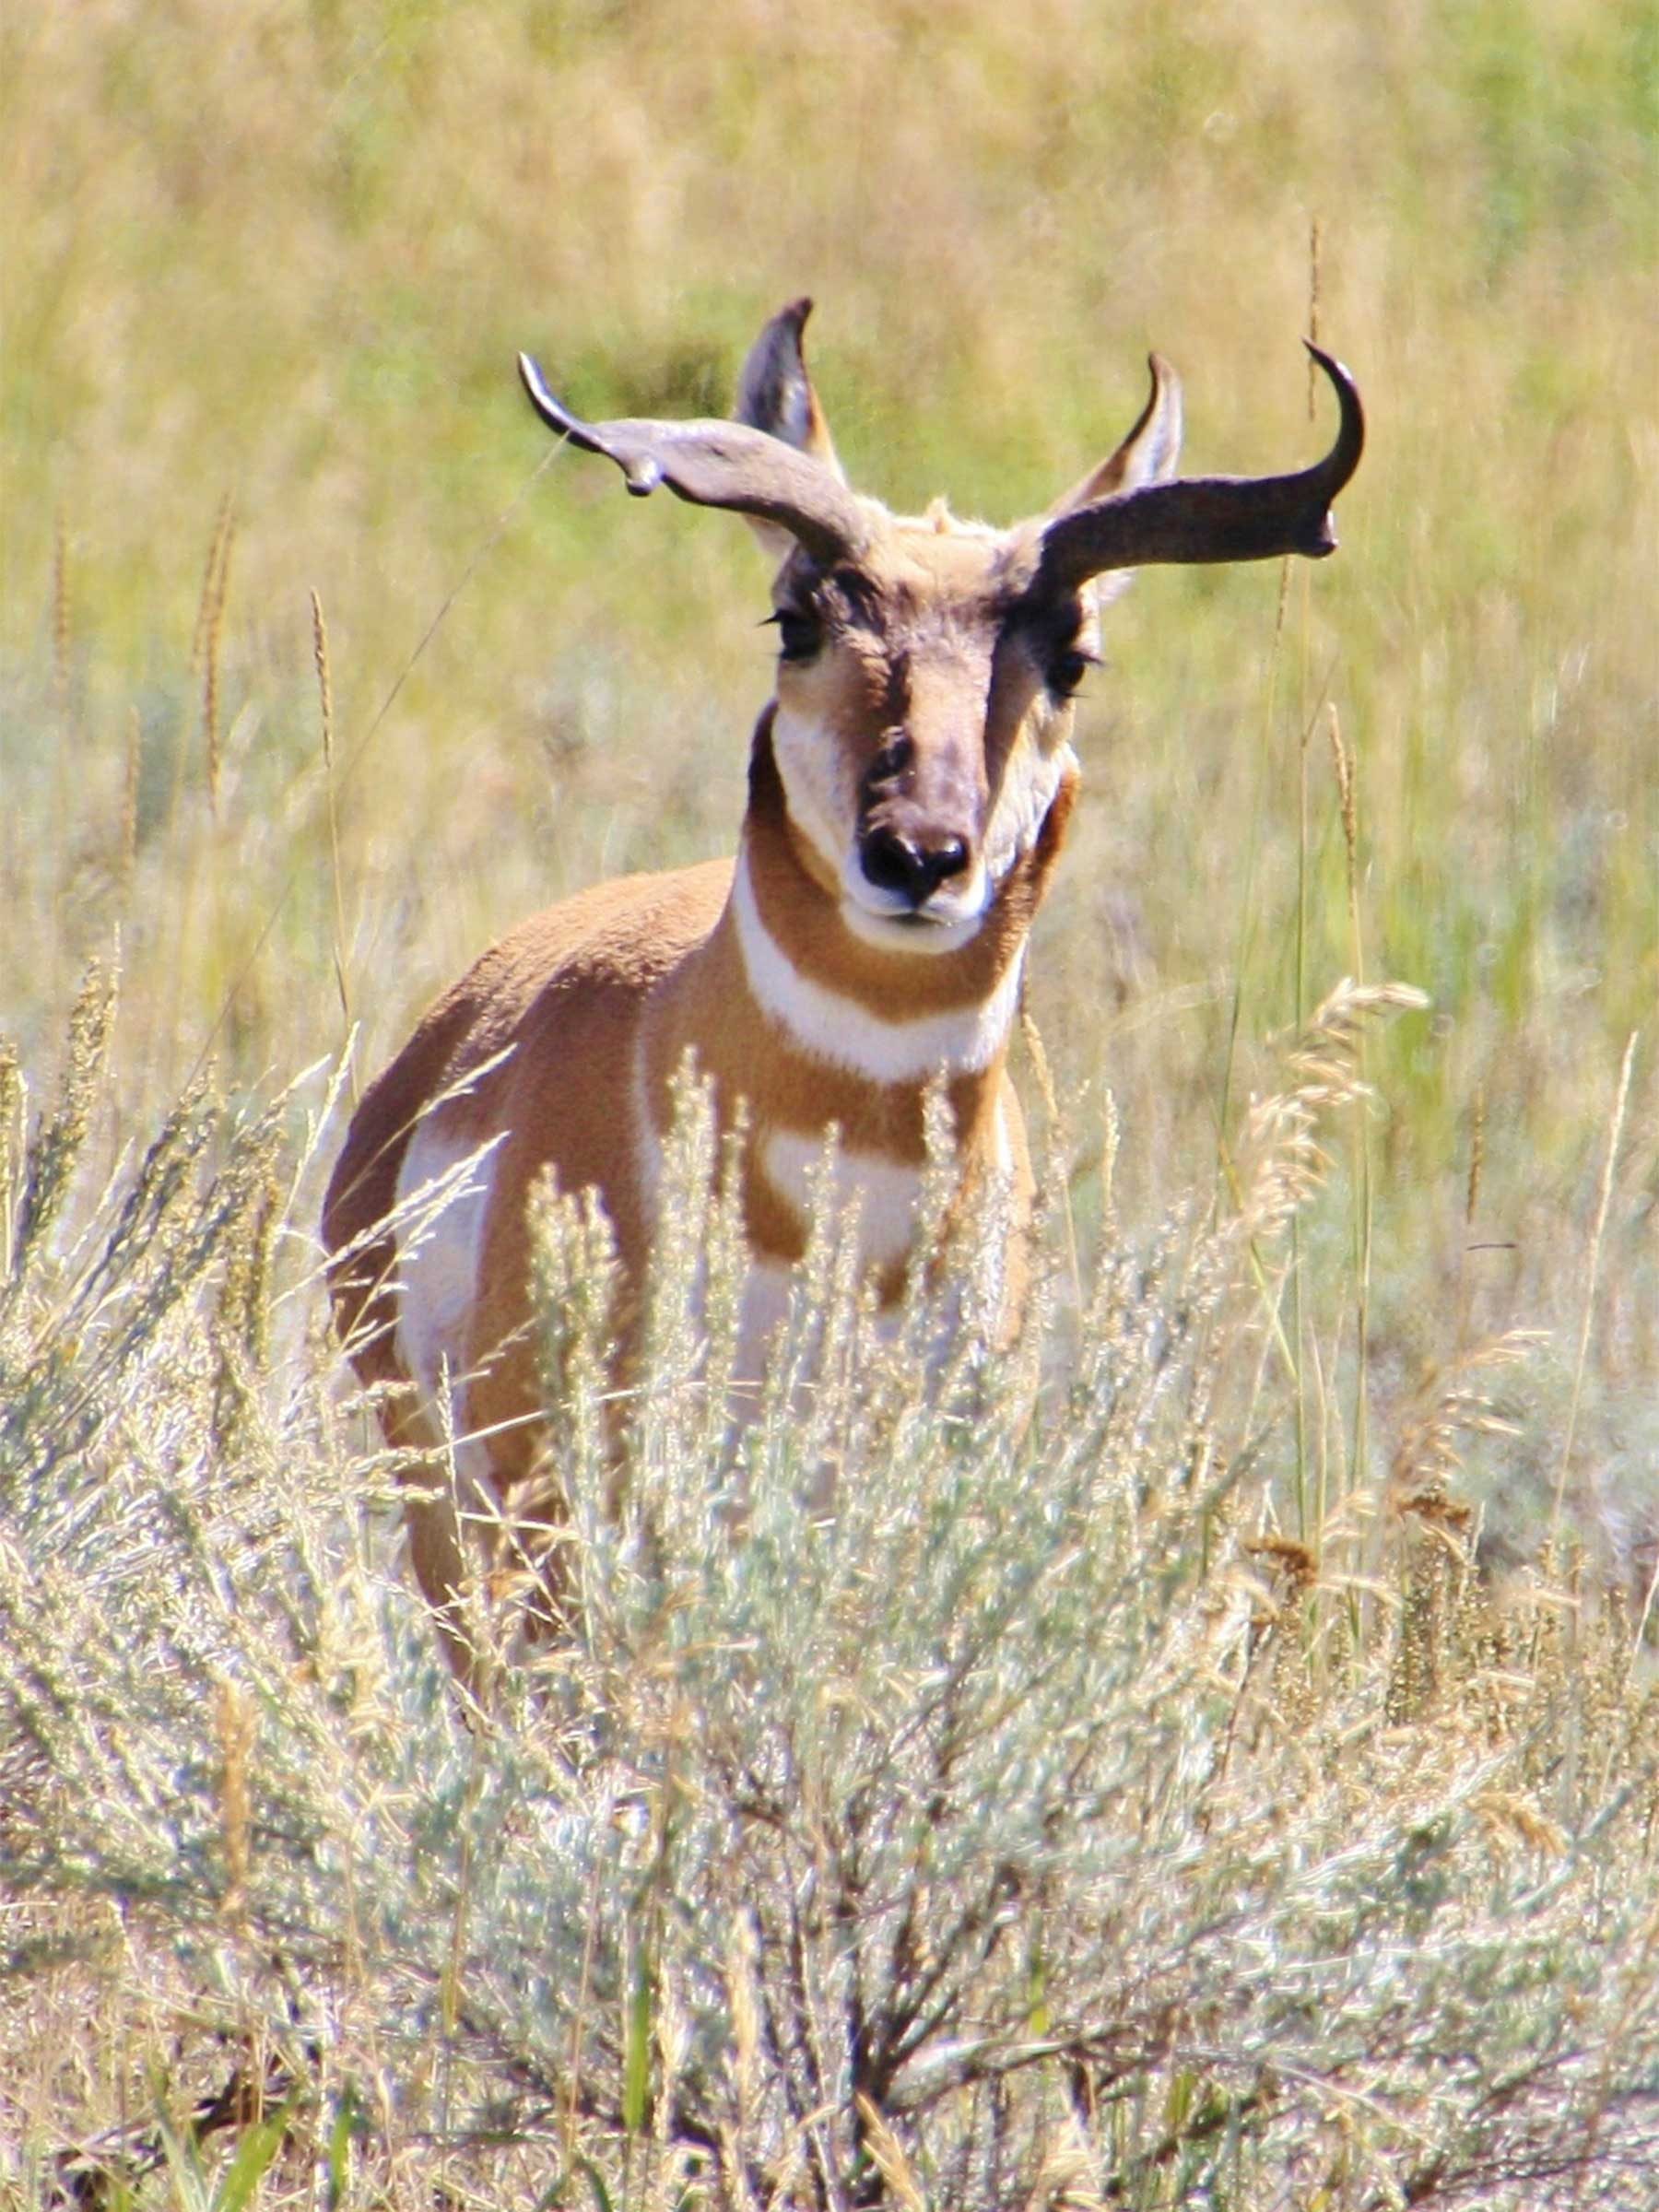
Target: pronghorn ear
[
  {"x": 1148, "y": 455},
  {"x": 776, "y": 394}
]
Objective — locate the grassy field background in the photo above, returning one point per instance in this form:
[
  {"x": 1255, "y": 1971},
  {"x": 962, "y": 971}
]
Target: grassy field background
[{"x": 266, "y": 270}]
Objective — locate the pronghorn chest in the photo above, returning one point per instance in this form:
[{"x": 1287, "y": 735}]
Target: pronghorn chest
[
  {"x": 878, "y": 1195},
  {"x": 791, "y": 1176},
  {"x": 876, "y": 1201},
  {"x": 870, "y": 1197},
  {"x": 829, "y": 1062}
]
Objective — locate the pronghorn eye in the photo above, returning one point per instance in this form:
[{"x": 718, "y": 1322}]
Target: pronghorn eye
[
  {"x": 800, "y": 635},
  {"x": 1068, "y": 669}
]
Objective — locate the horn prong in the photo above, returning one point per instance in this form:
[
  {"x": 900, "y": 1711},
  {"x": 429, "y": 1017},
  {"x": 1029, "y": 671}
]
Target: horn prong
[{"x": 1197, "y": 519}]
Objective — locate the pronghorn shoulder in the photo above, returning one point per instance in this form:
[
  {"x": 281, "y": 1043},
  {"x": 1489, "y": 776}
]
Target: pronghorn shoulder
[
  {"x": 611, "y": 942},
  {"x": 625, "y": 934}
]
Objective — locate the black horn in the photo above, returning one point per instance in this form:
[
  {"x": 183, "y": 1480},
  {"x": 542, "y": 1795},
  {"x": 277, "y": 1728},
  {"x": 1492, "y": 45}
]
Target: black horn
[{"x": 1212, "y": 518}]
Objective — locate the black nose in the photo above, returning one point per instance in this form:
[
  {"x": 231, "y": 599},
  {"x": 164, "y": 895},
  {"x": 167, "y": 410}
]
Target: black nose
[{"x": 910, "y": 866}]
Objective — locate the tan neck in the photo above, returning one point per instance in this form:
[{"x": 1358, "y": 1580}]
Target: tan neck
[{"x": 786, "y": 1008}]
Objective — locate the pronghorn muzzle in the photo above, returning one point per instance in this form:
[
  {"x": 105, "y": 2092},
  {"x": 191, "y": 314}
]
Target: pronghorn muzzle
[
  {"x": 918, "y": 829},
  {"x": 912, "y": 865}
]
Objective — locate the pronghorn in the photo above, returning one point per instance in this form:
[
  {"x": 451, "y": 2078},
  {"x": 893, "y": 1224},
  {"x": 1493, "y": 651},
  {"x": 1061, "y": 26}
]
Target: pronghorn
[{"x": 910, "y": 784}]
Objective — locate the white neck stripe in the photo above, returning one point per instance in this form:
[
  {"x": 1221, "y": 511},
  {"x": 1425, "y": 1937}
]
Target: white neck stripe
[{"x": 962, "y": 1041}]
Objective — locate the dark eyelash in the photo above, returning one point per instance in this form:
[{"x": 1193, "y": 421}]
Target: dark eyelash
[
  {"x": 800, "y": 635},
  {"x": 1068, "y": 668}
]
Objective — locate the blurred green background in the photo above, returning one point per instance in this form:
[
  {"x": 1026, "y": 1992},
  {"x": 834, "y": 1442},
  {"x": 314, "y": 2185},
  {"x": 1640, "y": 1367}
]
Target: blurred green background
[{"x": 265, "y": 269}]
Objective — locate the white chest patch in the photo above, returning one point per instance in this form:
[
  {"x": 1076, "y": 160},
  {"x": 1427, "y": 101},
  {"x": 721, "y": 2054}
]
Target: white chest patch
[
  {"x": 885, "y": 1190},
  {"x": 443, "y": 1189},
  {"x": 839, "y": 1029}
]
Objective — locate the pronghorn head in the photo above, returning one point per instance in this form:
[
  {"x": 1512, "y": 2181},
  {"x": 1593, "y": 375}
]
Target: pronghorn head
[{"x": 928, "y": 666}]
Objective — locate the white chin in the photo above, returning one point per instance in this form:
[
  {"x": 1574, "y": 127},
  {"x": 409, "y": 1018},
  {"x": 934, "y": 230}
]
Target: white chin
[{"x": 906, "y": 931}]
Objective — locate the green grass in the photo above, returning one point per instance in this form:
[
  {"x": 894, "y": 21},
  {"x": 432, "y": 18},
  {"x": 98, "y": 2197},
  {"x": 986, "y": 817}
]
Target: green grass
[{"x": 1359, "y": 1878}]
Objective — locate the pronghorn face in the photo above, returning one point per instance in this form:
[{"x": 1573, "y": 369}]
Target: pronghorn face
[
  {"x": 923, "y": 719},
  {"x": 924, "y": 683},
  {"x": 926, "y": 666}
]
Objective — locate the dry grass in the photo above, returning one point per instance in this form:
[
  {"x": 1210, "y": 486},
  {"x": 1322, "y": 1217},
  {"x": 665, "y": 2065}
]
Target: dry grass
[
  {"x": 1026, "y": 1817},
  {"x": 1291, "y": 1829}
]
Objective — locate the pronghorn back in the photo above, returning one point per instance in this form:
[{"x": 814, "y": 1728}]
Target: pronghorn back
[{"x": 909, "y": 786}]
